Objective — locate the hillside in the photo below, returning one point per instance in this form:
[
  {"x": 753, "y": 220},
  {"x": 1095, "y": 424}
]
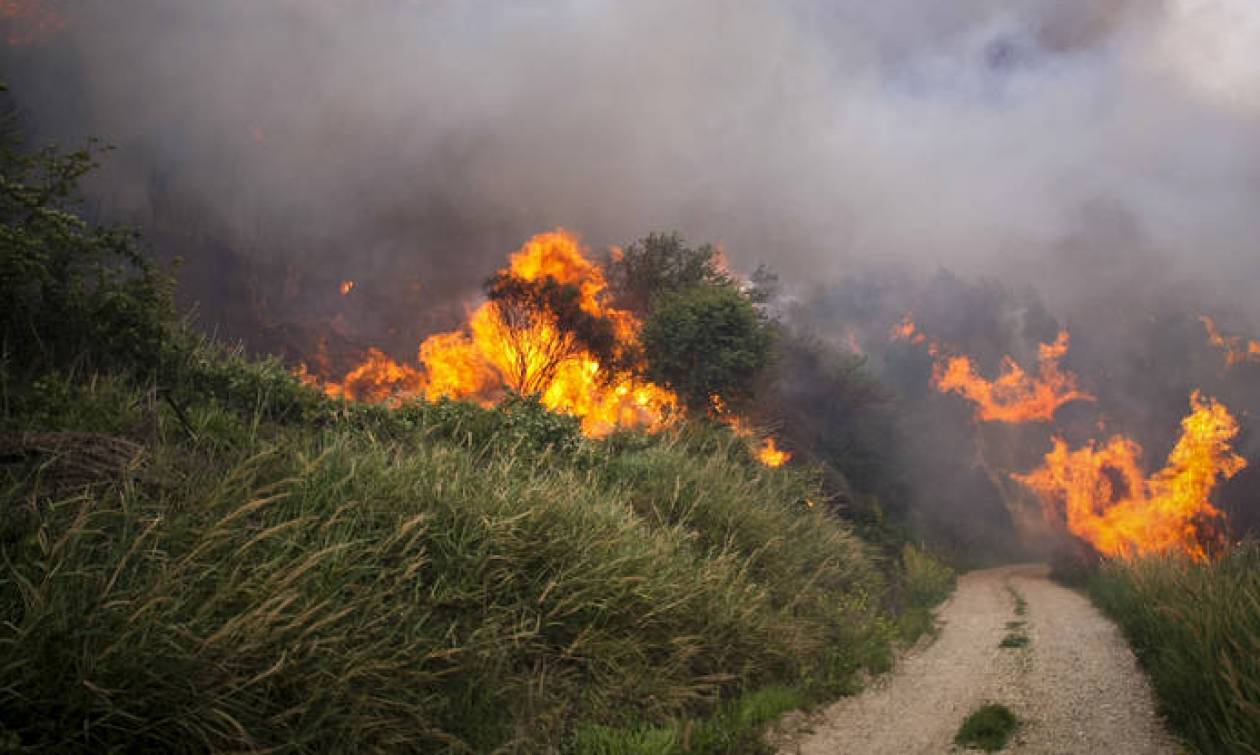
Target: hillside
[{"x": 201, "y": 552}]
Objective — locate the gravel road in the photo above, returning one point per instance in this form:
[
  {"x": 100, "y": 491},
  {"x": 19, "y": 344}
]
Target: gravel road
[{"x": 1076, "y": 685}]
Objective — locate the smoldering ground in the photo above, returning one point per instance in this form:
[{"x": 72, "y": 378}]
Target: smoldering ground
[{"x": 1104, "y": 154}]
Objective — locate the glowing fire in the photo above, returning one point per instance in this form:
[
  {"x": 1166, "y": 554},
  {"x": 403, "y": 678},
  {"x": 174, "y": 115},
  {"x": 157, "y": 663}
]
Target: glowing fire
[
  {"x": 1015, "y": 395},
  {"x": 527, "y": 352},
  {"x": 767, "y": 451},
  {"x": 27, "y": 22},
  {"x": 1103, "y": 495},
  {"x": 346, "y": 287},
  {"x": 770, "y": 454},
  {"x": 1238, "y": 350},
  {"x": 906, "y": 330},
  {"x": 525, "y": 349}
]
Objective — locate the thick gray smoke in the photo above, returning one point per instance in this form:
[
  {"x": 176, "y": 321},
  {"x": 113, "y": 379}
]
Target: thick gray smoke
[
  {"x": 1107, "y": 153},
  {"x": 427, "y": 138}
]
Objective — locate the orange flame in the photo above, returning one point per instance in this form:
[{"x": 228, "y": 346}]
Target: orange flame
[
  {"x": 1014, "y": 396},
  {"x": 906, "y": 330},
  {"x": 531, "y": 354},
  {"x": 767, "y": 451},
  {"x": 28, "y": 22},
  {"x": 346, "y": 287},
  {"x": 770, "y": 454},
  {"x": 1106, "y": 499},
  {"x": 1238, "y": 350},
  {"x": 500, "y": 349}
]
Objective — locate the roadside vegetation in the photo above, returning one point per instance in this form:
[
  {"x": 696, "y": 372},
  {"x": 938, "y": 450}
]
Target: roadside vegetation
[
  {"x": 201, "y": 553},
  {"x": 1195, "y": 627},
  {"x": 989, "y": 728}
]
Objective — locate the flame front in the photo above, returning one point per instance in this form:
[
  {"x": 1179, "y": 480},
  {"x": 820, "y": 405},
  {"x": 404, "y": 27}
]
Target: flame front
[
  {"x": 1014, "y": 396},
  {"x": 1238, "y": 350},
  {"x": 504, "y": 348},
  {"x": 1104, "y": 497}
]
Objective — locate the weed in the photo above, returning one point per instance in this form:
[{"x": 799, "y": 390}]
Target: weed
[{"x": 989, "y": 728}]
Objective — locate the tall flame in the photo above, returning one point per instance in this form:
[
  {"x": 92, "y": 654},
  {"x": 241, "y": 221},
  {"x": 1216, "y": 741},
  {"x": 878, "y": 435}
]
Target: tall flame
[
  {"x": 1103, "y": 495},
  {"x": 1238, "y": 350},
  {"x": 501, "y": 349},
  {"x": 1015, "y": 395}
]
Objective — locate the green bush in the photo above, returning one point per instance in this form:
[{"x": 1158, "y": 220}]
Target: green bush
[
  {"x": 1196, "y": 629},
  {"x": 76, "y": 296}
]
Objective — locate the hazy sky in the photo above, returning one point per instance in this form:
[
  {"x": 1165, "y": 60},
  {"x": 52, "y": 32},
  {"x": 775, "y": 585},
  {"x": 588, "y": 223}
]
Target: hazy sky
[{"x": 1064, "y": 142}]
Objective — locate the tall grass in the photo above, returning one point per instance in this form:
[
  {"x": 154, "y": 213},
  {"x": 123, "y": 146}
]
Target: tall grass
[
  {"x": 381, "y": 584},
  {"x": 1196, "y": 629}
]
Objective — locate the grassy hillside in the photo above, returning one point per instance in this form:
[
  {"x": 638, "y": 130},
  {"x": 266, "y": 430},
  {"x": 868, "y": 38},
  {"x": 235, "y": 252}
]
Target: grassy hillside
[
  {"x": 1196, "y": 630},
  {"x": 198, "y": 552}
]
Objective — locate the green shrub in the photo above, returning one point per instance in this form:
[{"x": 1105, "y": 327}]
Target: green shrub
[{"x": 989, "y": 728}]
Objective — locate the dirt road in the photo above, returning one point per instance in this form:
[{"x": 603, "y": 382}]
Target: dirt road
[{"x": 1076, "y": 684}]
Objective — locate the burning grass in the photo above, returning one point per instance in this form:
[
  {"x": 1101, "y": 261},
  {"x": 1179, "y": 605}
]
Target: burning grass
[{"x": 1195, "y": 626}]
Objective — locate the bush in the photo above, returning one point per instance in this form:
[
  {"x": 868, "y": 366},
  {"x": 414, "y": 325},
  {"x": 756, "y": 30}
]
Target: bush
[{"x": 75, "y": 296}]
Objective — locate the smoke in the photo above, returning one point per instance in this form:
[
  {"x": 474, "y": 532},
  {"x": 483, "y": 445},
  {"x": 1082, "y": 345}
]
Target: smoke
[{"x": 1105, "y": 153}]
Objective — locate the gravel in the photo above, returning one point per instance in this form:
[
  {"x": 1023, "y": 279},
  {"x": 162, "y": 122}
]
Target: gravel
[{"x": 1076, "y": 686}]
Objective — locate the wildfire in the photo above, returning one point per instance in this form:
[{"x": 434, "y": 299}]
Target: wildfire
[
  {"x": 1015, "y": 395},
  {"x": 509, "y": 344},
  {"x": 770, "y": 454},
  {"x": 346, "y": 287},
  {"x": 768, "y": 451},
  {"x": 1238, "y": 350},
  {"x": 527, "y": 351},
  {"x": 1103, "y": 495},
  {"x": 906, "y": 330},
  {"x": 28, "y": 22}
]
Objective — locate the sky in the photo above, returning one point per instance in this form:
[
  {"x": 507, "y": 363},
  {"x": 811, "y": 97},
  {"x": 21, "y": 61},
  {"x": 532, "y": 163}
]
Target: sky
[{"x": 1082, "y": 146}]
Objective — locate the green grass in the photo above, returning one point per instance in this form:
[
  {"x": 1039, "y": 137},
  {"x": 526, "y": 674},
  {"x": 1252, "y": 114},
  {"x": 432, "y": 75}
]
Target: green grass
[
  {"x": 415, "y": 581},
  {"x": 925, "y": 582},
  {"x": 1015, "y": 640},
  {"x": 989, "y": 728},
  {"x": 1196, "y": 630},
  {"x": 735, "y": 728}
]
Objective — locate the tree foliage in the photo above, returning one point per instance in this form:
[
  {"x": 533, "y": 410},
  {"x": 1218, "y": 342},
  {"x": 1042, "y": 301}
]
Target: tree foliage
[
  {"x": 659, "y": 264},
  {"x": 74, "y": 295},
  {"x": 705, "y": 341}
]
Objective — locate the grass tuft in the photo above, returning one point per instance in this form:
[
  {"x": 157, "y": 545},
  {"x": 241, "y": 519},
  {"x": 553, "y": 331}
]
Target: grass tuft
[
  {"x": 1015, "y": 640},
  {"x": 989, "y": 728}
]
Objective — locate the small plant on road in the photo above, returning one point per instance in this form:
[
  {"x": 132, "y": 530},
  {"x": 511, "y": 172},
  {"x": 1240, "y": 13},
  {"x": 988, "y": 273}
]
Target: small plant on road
[
  {"x": 1015, "y": 640},
  {"x": 989, "y": 728}
]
